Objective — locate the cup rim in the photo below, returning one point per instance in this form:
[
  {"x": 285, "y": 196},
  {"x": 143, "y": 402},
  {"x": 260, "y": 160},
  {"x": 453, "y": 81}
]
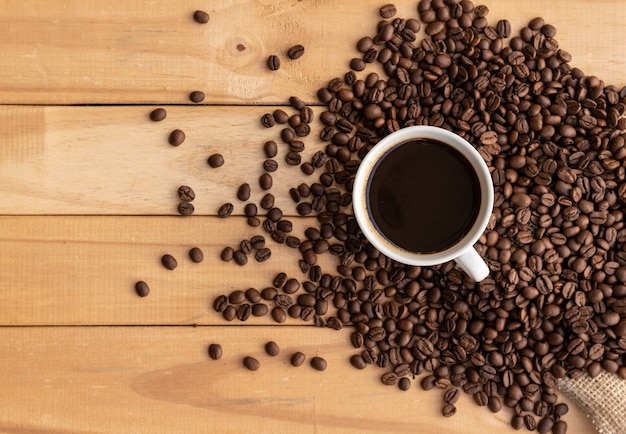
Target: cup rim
[{"x": 364, "y": 173}]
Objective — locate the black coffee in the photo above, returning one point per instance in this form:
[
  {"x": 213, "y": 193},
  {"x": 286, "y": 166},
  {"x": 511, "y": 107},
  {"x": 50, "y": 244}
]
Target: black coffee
[{"x": 423, "y": 196}]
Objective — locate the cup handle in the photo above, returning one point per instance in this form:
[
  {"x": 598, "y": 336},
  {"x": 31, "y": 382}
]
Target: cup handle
[{"x": 473, "y": 264}]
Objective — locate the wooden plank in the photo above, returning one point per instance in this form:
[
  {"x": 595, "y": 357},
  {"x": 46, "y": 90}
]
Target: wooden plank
[
  {"x": 113, "y": 160},
  {"x": 76, "y": 52},
  {"x": 160, "y": 380},
  {"x": 82, "y": 270}
]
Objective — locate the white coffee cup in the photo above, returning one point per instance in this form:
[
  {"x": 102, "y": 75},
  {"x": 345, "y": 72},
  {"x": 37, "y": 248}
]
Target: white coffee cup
[{"x": 462, "y": 251}]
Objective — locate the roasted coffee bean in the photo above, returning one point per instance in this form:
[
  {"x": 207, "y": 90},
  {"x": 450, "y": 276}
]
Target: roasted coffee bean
[
  {"x": 215, "y": 351},
  {"x": 216, "y": 160},
  {"x": 448, "y": 410},
  {"x": 280, "y": 116},
  {"x": 240, "y": 257},
  {"x": 273, "y": 62},
  {"x": 251, "y": 363},
  {"x": 267, "y": 120},
  {"x": 388, "y": 10},
  {"x": 186, "y": 194},
  {"x": 295, "y": 52},
  {"x": 176, "y": 138},
  {"x": 404, "y": 384},
  {"x": 142, "y": 289},
  {"x": 185, "y": 209},
  {"x": 297, "y": 359},
  {"x": 357, "y": 361},
  {"x": 196, "y": 96},
  {"x": 318, "y": 363},
  {"x": 243, "y": 192},
  {"x": 196, "y": 255},
  {"x": 265, "y": 181},
  {"x": 158, "y": 114},
  {"x": 272, "y": 348},
  {"x": 270, "y": 148},
  {"x": 279, "y": 315},
  {"x": 225, "y": 210},
  {"x": 169, "y": 261},
  {"x": 227, "y": 254},
  {"x": 201, "y": 17}
]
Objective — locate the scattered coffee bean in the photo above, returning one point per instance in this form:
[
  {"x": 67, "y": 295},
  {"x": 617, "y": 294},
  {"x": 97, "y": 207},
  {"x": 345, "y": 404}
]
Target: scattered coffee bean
[
  {"x": 196, "y": 96},
  {"x": 448, "y": 410},
  {"x": 297, "y": 359},
  {"x": 270, "y": 148},
  {"x": 295, "y": 52},
  {"x": 169, "y": 261},
  {"x": 263, "y": 254},
  {"x": 318, "y": 363},
  {"x": 388, "y": 10},
  {"x": 265, "y": 181},
  {"x": 142, "y": 289},
  {"x": 215, "y": 351},
  {"x": 240, "y": 257},
  {"x": 201, "y": 17},
  {"x": 273, "y": 62},
  {"x": 196, "y": 255},
  {"x": 251, "y": 363},
  {"x": 185, "y": 208},
  {"x": 227, "y": 254},
  {"x": 272, "y": 348},
  {"x": 177, "y": 137},
  {"x": 186, "y": 194},
  {"x": 158, "y": 114},
  {"x": 267, "y": 120},
  {"x": 243, "y": 192},
  {"x": 216, "y": 160},
  {"x": 225, "y": 210}
]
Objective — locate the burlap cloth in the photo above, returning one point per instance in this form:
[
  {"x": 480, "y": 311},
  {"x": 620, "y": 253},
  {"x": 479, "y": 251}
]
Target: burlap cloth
[{"x": 602, "y": 398}]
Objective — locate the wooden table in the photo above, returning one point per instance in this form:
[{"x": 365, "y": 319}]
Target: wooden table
[{"x": 89, "y": 187}]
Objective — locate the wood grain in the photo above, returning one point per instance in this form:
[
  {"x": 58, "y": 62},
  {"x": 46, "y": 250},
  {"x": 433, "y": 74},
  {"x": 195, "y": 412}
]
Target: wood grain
[
  {"x": 82, "y": 270},
  {"x": 114, "y": 160},
  {"x": 95, "y": 51},
  {"x": 160, "y": 380}
]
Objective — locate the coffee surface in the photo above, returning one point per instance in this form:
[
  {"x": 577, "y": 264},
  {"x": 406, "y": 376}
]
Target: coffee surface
[{"x": 423, "y": 196}]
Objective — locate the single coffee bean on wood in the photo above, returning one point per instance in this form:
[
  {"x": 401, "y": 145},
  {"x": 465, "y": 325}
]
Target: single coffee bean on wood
[
  {"x": 216, "y": 160},
  {"x": 273, "y": 62},
  {"x": 295, "y": 52},
  {"x": 169, "y": 261},
  {"x": 215, "y": 351},
  {"x": 185, "y": 208},
  {"x": 158, "y": 114},
  {"x": 196, "y": 96},
  {"x": 251, "y": 363},
  {"x": 297, "y": 359},
  {"x": 225, "y": 210},
  {"x": 201, "y": 17},
  {"x": 318, "y": 363},
  {"x": 186, "y": 194},
  {"x": 243, "y": 192},
  {"x": 176, "y": 138},
  {"x": 272, "y": 348},
  {"x": 196, "y": 255},
  {"x": 142, "y": 289}
]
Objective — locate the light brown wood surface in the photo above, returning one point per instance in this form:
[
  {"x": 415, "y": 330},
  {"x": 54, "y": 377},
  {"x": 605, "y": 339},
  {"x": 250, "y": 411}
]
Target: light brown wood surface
[{"x": 89, "y": 207}]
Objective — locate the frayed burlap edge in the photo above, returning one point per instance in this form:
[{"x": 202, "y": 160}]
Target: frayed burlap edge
[{"x": 602, "y": 398}]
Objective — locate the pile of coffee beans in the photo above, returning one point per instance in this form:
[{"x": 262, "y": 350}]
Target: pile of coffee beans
[{"x": 554, "y": 141}]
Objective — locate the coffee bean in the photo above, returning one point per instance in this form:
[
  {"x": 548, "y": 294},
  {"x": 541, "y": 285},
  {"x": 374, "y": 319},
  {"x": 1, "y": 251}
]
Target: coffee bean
[
  {"x": 318, "y": 363},
  {"x": 186, "y": 194},
  {"x": 240, "y": 257},
  {"x": 215, "y": 351},
  {"x": 388, "y": 10},
  {"x": 272, "y": 348},
  {"x": 273, "y": 62},
  {"x": 158, "y": 114},
  {"x": 243, "y": 192},
  {"x": 357, "y": 361},
  {"x": 225, "y": 210},
  {"x": 270, "y": 148},
  {"x": 196, "y": 255},
  {"x": 404, "y": 384},
  {"x": 279, "y": 315},
  {"x": 297, "y": 359},
  {"x": 267, "y": 120},
  {"x": 295, "y": 52},
  {"x": 185, "y": 208},
  {"x": 216, "y": 160},
  {"x": 265, "y": 181},
  {"x": 263, "y": 254},
  {"x": 448, "y": 410},
  {"x": 201, "y": 17},
  {"x": 142, "y": 289},
  {"x": 251, "y": 363},
  {"x": 196, "y": 96},
  {"x": 169, "y": 261},
  {"x": 176, "y": 138}
]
